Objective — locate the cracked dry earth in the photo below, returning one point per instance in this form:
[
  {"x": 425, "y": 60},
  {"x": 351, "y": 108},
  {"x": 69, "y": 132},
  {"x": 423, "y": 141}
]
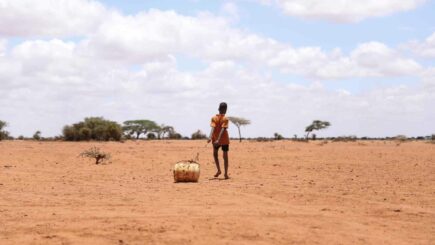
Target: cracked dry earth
[{"x": 280, "y": 192}]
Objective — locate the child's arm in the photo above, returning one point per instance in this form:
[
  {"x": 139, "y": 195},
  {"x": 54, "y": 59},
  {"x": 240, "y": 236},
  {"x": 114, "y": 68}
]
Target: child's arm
[{"x": 211, "y": 134}]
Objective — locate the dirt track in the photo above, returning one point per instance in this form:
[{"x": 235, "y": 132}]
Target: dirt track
[{"x": 279, "y": 193}]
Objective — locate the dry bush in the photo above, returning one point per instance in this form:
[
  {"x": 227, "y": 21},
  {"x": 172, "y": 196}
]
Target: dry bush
[
  {"x": 400, "y": 139},
  {"x": 96, "y": 154},
  {"x": 349, "y": 138}
]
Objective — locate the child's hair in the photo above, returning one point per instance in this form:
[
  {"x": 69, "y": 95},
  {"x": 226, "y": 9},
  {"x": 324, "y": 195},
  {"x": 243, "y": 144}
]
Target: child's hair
[{"x": 223, "y": 107}]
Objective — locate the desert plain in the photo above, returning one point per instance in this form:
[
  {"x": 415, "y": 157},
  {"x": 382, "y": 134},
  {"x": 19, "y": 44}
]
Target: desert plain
[{"x": 280, "y": 192}]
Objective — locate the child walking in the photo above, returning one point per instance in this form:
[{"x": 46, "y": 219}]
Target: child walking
[{"x": 219, "y": 137}]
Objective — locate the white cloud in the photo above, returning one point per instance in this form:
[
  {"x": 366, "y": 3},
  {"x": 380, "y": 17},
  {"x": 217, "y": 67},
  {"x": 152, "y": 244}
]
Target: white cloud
[
  {"x": 126, "y": 67},
  {"x": 156, "y": 34},
  {"x": 425, "y": 48},
  {"x": 27, "y": 18},
  {"x": 158, "y": 90},
  {"x": 371, "y": 59},
  {"x": 231, "y": 10},
  {"x": 345, "y": 10}
]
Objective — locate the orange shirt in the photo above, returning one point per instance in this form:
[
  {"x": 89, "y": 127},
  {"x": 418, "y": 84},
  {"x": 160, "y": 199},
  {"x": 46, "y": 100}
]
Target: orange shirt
[{"x": 218, "y": 122}]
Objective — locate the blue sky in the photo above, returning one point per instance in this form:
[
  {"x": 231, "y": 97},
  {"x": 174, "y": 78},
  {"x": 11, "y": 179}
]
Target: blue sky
[{"x": 367, "y": 66}]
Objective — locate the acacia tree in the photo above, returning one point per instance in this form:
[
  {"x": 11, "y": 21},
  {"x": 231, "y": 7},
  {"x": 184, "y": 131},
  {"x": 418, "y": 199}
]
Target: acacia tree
[
  {"x": 139, "y": 127},
  {"x": 3, "y": 133},
  {"x": 162, "y": 130},
  {"x": 37, "y": 135},
  {"x": 316, "y": 125},
  {"x": 239, "y": 121}
]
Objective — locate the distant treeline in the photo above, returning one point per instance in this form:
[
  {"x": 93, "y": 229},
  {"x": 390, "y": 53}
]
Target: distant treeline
[{"x": 100, "y": 129}]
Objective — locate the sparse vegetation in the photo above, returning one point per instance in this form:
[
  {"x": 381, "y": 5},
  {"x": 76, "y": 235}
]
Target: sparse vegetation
[
  {"x": 3, "y": 133},
  {"x": 316, "y": 125},
  {"x": 347, "y": 138},
  {"x": 198, "y": 135},
  {"x": 37, "y": 135},
  {"x": 151, "y": 136},
  {"x": 175, "y": 136},
  {"x": 139, "y": 127},
  {"x": 400, "y": 139},
  {"x": 93, "y": 128},
  {"x": 163, "y": 130},
  {"x": 277, "y": 136},
  {"x": 239, "y": 121},
  {"x": 96, "y": 154}
]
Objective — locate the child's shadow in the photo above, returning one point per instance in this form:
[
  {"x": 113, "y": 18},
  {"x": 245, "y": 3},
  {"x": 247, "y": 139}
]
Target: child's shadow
[{"x": 218, "y": 179}]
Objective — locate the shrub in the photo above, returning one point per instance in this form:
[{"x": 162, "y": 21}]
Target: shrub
[
  {"x": 93, "y": 128},
  {"x": 198, "y": 135},
  {"x": 37, "y": 135},
  {"x": 85, "y": 134},
  {"x": 95, "y": 153},
  {"x": 401, "y": 138},
  {"x": 3, "y": 133},
  {"x": 151, "y": 136},
  {"x": 175, "y": 136},
  {"x": 348, "y": 138},
  {"x": 277, "y": 136}
]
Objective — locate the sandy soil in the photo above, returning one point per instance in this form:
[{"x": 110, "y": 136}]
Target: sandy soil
[{"x": 279, "y": 193}]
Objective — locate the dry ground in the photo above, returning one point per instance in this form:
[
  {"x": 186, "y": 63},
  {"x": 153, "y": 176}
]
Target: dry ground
[{"x": 280, "y": 193}]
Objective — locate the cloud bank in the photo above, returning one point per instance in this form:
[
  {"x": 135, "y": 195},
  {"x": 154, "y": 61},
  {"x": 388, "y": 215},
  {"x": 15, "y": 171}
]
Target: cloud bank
[{"x": 136, "y": 66}]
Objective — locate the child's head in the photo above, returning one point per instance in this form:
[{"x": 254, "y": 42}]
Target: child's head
[{"x": 222, "y": 108}]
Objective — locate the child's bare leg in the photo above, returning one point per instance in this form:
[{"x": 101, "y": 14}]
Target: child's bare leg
[
  {"x": 216, "y": 161},
  {"x": 226, "y": 164}
]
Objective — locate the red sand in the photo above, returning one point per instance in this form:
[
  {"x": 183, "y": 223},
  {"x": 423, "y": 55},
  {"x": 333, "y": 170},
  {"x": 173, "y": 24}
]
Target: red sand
[{"x": 279, "y": 193}]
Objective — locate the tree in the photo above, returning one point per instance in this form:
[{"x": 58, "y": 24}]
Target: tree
[
  {"x": 37, "y": 135},
  {"x": 93, "y": 128},
  {"x": 198, "y": 135},
  {"x": 316, "y": 125},
  {"x": 277, "y": 136},
  {"x": 3, "y": 133},
  {"x": 175, "y": 136},
  {"x": 139, "y": 127},
  {"x": 238, "y": 121},
  {"x": 162, "y": 130}
]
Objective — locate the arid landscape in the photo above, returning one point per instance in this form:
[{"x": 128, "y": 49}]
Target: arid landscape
[{"x": 280, "y": 192}]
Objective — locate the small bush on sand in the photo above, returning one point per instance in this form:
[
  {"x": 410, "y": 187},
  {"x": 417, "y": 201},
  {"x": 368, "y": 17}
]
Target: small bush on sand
[{"x": 96, "y": 154}]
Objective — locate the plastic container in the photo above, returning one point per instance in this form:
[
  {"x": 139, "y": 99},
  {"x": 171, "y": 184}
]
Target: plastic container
[{"x": 186, "y": 171}]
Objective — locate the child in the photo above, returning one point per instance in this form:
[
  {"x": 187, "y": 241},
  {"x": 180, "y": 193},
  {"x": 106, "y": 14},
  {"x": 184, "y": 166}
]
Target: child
[{"x": 219, "y": 137}]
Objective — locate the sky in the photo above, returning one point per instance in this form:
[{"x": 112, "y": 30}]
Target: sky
[{"x": 366, "y": 66}]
